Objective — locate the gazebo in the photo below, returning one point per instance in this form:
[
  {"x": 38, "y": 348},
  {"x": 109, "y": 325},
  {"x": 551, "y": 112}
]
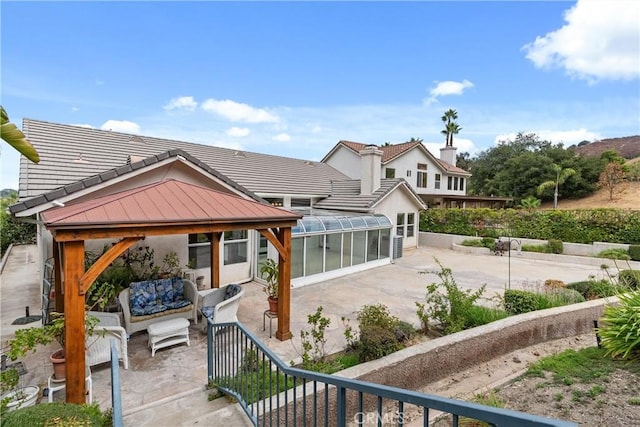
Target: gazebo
[{"x": 166, "y": 207}]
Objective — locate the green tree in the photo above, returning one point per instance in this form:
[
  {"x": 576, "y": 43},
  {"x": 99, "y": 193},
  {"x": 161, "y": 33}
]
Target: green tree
[
  {"x": 464, "y": 161},
  {"x": 529, "y": 203},
  {"x": 451, "y": 127},
  {"x": 15, "y": 138},
  {"x": 14, "y": 231},
  {"x": 561, "y": 175}
]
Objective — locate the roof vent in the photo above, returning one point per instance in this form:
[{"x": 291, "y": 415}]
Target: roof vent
[
  {"x": 81, "y": 159},
  {"x": 135, "y": 138},
  {"x": 239, "y": 154},
  {"x": 308, "y": 163}
]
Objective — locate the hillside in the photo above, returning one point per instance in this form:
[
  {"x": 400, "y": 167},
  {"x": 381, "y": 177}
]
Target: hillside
[
  {"x": 627, "y": 196},
  {"x": 627, "y": 147}
]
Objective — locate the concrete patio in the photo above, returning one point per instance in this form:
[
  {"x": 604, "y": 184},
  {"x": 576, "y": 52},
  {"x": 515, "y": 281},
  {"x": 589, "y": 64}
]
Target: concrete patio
[{"x": 176, "y": 377}]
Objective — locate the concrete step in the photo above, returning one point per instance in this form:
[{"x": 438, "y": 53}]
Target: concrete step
[{"x": 190, "y": 408}]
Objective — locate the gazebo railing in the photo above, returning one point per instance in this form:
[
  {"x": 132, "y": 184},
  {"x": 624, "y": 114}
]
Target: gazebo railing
[{"x": 272, "y": 393}]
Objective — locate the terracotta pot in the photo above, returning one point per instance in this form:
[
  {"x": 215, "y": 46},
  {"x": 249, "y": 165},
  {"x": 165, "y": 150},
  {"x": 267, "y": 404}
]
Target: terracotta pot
[
  {"x": 59, "y": 365},
  {"x": 273, "y": 304}
]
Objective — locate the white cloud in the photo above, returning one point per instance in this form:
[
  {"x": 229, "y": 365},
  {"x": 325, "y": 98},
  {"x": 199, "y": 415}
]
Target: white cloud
[
  {"x": 462, "y": 144},
  {"x": 99, "y": 82},
  {"x": 235, "y": 131},
  {"x": 238, "y": 112},
  {"x": 74, "y": 109},
  {"x": 567, "y": 137},
  {"x": 186, "y": 103},
  {"x": 601, "y": 40},
  {"x": 448, "y": 87},
  {"x": 124, "y": 126},
  {"x": 282, "y": 137}
]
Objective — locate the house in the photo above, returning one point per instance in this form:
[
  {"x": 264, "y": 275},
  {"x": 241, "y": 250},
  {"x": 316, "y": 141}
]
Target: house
[
  {"x": 437, "y": 181},
  {"x": 346, "y": 224}
]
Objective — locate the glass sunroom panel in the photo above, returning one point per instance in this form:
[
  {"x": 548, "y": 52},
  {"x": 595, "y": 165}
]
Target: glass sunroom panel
[
  {"x": 330, "y": 223},
  {"x": 312, "y": 224},
  {"x": 346, "y": 224},
  {"x": 333, "y": 252},
  {"x": 297, "y": 257},
  {"x": 371, "y": 221},
  {"x": 359, "y": 247},
  {"x": 385, "y": 237},
  {"x": 298, "y": 229},
  {"x": 314, "y": 256},
  {"x": 346, "y": 249},
  {"x": 372, "y": 244},
  {"x": 358, "y": 222}
]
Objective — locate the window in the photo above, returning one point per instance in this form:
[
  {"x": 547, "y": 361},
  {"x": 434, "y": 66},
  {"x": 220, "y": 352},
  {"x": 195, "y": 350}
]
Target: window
[
  {"x": 410, "y": 224},
  {"x": 455, "y": 183},
  {"x": 200, "y": 250},
  {"x": 235, "y": 246},
  {"x": 400, "y": 225},
  {"x": 437, "y": 182},
  {"x": 422, "y": 167},
  {"x": 408, "y": 172},
  {"x": 449, "y": 183},
  {"x": 390, "y": 172},
  {"x": 275, "y": 202},
  {"x": 461, "y": 184},
  {"x": 422, "y": 180}
]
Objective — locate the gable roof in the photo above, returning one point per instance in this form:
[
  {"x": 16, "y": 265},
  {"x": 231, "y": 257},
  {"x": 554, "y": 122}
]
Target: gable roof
[
  {"x": 391, "y": 152},
  {"x": 123, "y": 171},
  {"x": 164, "y": 203},
  {"x": 72, "y": 153},
  {"x": 346, "y": 195}
]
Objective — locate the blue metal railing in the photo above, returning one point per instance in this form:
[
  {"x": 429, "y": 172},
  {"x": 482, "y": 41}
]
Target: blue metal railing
[
  {"x": 116, "y": 398},
  {"x": 272, "y": 393}
]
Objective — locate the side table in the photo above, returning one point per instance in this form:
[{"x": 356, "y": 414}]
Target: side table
[{"x": 271, "y": 315}]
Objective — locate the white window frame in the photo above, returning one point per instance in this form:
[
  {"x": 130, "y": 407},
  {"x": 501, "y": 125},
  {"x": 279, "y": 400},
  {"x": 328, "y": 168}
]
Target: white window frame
[
  {"x": 400, "y": 224},
  {"x": 230, "y": 243}
]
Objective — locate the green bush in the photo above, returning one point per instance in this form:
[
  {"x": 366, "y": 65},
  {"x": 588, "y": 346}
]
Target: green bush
[
  {"x": 536, "y": 248},
  {"x": 557, "y": 298},
  {"x": 376, "y": 342},
  {"x": 478, "y": 315},
  {"x": 58, "y": 414},
  {"x": 376, "y": 315},
  {"x": 582, "y": 287},
  {"x": 614, "y": 254},
  {"x": 575, "y": 226},
  {"x": 634, "y": 251},
  {"x": 629, "y": 278},
  {"x": 620, "y": 330},
  {"x": 475, "y": 243},
  {"x": 517, "y": 301},
  {"x": 555, "y": 246}
]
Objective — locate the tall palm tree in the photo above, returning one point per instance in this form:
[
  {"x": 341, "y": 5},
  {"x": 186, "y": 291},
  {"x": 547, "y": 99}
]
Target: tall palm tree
[
  {"x": 450, "y": 126},
  {"x": 15, "y": 138},
  {"x": 561, "y": 176}
]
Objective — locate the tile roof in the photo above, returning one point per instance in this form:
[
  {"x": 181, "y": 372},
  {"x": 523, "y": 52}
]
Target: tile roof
[
  {"x": 390, "y": 152},
  {"x": 72, "y": 153},
  {"x": 122, "y": 171},
  {"x": 346, "y": 195},
  {"x": 165, "y": 202}
]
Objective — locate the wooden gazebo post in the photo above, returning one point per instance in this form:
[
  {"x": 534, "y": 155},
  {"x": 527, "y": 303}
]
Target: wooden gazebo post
[{"x": 284, "y": 286}]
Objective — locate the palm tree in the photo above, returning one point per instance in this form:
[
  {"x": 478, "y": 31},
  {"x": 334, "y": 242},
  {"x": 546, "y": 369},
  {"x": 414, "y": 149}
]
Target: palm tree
[
  {"x": 530, "y": 203},
  {"x": 15, "y": 138},
  {"x": 561, "y": 176},
  {"x": 450, "y": 126}
]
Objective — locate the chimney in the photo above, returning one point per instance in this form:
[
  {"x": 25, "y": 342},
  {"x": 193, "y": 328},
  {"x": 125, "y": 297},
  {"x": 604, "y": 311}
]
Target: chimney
[
  {"x": 370, "y": 169},
  {"x": 448, "y": 154}
]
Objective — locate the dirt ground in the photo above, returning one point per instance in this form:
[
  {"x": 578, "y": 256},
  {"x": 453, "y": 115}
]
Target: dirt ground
[
  {"x": 610, "y": 407},
  {"x": 626, "y": 196}
]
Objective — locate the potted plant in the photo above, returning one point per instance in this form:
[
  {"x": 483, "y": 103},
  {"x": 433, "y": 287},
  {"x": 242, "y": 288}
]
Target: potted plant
[
  {"x": 13, "y": 396},
  {"x": 269, "y": 272},
  {"x": 170, "y": 266},
  {"x": 28, "y": 339}
]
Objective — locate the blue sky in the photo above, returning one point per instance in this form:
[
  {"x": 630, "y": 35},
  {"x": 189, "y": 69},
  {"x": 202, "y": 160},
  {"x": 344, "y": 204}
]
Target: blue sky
[{"x": 294, "y": 78}]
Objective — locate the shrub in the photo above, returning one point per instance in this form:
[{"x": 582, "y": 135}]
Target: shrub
[
  {"x": 446, "y": 303},
  {"x": 554, "y": 284},
  {"x": 376, "y": 315},
  {"x": 517, "y": 301},
  {"x": 476, "y": 243},
  {"x": 634, "y": 252},
  {"x": 614, "y": 254},
  {"x": 629, "y": 278},
  {"x": 620, "y": 333},
  {"x": 57, "y": 414},
  {"x": 489, "y": 242},
  {"x": 558, "y": 297},
  {"x": 582, "y": 287},
  {"x": 313, "y": 341},
  {"x": 536, "y": 248},
  {"x": 376, "y": 342},
  {"x": 478, "y": 315},
  {"x": 555, "y": 246}
]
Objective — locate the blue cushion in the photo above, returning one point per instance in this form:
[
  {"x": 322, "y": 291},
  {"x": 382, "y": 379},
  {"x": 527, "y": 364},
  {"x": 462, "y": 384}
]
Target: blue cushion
[
  {"x": 165, "y": 291},
  {"x": 231, "y": 291},
  {"x": 178, "y": 290},
  {"x": 208, "y": 311},
  {"x": 178, "y": 304},
  {"x": 142, "y": 296}
]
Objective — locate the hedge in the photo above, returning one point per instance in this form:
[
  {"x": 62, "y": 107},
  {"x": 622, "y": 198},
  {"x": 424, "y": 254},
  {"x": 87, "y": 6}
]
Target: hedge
[{"x": 573, "y": 226}]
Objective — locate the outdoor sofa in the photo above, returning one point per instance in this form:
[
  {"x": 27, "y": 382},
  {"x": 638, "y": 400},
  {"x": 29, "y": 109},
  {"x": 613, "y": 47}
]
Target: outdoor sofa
[{"x": 150, "y": 301}]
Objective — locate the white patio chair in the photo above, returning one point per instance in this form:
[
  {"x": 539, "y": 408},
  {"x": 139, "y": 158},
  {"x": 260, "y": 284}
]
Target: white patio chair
[{"x": 99, "y": 343}]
